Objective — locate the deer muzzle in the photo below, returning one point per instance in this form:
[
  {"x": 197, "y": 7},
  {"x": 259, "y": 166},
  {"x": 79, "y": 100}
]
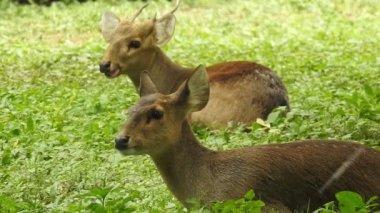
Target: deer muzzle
[
  {"x": 121, "y": 143},
  {"x": 105, "y": 67}
]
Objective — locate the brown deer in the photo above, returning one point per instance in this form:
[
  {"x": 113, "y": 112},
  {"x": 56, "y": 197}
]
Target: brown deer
[
  {"x": 292, "y": 176},
  {"x": 240, "y": 91}
]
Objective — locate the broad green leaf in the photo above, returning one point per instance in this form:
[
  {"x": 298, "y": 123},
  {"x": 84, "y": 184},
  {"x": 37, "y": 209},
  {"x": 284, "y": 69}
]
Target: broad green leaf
[{"x": 349, "y": 202}]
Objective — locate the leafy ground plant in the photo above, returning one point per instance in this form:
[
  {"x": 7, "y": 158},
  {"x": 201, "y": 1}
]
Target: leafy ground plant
[
  {"x": 249, "y": 203},
  {"x": 348, "y": 202},
  {"x": 59, "y": 115},
  {"x": 246, "y": 204}
]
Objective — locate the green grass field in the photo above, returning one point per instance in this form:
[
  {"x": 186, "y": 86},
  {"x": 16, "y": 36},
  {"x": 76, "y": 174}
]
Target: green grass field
[{"x": 59, "y": 114}]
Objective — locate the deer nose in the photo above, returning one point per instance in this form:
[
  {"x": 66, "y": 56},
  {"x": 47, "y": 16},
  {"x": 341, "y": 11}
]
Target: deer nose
[
  {"x": 121, "y": 143},
  {"x": 105, "y": 67}
]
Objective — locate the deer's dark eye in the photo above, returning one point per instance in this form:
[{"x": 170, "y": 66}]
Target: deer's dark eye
[
  {"x": 134, "y": 44},
  {"x": 155, "y": 114}
]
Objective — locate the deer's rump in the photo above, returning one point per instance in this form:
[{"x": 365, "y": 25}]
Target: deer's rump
[{"x": 241, "y": 91}]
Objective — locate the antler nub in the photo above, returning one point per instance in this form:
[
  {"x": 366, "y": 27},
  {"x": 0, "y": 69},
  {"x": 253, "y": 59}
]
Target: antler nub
[
  {"x": 172, "y": 11},
  {"x": 138, "y": 12}
]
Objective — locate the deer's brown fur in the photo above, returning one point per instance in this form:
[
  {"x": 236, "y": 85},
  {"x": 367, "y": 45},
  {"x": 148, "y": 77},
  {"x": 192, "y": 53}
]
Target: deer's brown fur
[
  {"x": 287, "y": 176},
  {"x": 241, "y": 91}
]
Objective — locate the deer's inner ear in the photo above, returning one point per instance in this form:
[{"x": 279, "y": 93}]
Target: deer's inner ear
[
  {"x": 108, "y": 24},
  {"x": 195, "y": 91},
  {"x": 164, "y": 29}
]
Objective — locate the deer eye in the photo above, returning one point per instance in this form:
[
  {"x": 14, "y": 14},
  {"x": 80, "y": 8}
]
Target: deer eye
[
  {"x": 134, "y": 44},
  {"x": 155, "y": 114}
]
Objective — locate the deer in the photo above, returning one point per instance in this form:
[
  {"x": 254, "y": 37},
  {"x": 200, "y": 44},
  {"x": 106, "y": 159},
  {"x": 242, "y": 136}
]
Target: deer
[
  {"x": 240, "y": 91},
  {"x": 287, "y": 176}
]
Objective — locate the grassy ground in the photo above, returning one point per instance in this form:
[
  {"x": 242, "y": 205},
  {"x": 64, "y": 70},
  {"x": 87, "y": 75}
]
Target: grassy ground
[{"x": 59, "y": 115}]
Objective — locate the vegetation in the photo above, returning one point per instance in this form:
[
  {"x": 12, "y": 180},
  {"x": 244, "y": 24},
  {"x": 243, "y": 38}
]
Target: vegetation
[
  {"x": 45, "y": 2},
  {"x": 59, "y": 115},
  {"x": 349, "y": 202}
]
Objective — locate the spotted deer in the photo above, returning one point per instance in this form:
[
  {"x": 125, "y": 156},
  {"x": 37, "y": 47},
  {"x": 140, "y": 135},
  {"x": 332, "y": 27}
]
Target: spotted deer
[
  {"x": 240, "y": 91},
  {"x": 292, "y": 176}
]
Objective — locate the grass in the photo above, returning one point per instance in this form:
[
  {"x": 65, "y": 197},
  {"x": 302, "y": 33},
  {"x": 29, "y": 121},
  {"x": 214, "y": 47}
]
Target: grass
[{"x": 59, "y": 115}]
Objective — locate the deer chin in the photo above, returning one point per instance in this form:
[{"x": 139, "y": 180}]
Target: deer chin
[
  {"x": 113, "y": 73},
  {"x": 131, "y": 151}
]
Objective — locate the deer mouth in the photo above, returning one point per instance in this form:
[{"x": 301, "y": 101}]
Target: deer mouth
[
  {"x": 113, "y": 73},
  {"x": 131, "y": 150}
]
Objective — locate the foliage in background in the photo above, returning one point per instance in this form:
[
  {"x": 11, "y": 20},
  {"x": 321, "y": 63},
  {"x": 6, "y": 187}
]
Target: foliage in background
[{"x": 59, "y": 115}]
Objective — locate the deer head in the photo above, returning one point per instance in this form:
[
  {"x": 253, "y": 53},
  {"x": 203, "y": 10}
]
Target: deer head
[
  {"x": 154, "y": 123},
  {"x": 131, "y": 45}
]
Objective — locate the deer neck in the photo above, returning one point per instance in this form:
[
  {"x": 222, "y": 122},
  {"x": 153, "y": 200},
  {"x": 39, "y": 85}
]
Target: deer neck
[
  {"x": 166, "y": 75},
  {"x": 183, "y": 166}
]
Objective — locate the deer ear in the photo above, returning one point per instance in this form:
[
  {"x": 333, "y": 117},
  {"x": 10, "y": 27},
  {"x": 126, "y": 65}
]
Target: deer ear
[
  {"x": 108, "y": 24},
  {"x": 147, "y": 86},
  {"x": 194, "y": 91},
  {"x": 164, "y": 29}
]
